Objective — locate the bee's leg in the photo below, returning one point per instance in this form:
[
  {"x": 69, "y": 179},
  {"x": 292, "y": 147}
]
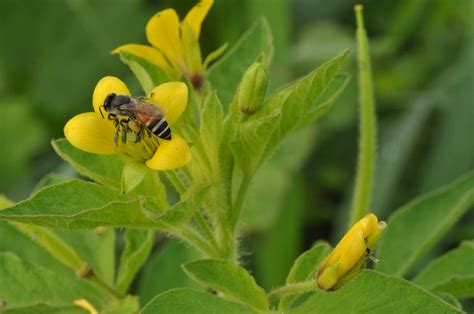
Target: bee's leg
[
  {"x": 112, "y": 116},
  {"x": 124, "y": 124},
  {"x": 124, "y": 136},
  {"x": 139, "y": 136},
  {"x": 116, "y": 135}
]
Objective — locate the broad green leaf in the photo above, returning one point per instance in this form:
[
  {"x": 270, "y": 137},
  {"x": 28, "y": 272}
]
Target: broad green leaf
[
  {"x": 24, "y": 283},
  {"x": 42, "y": 308},
  {"x": 374, "y": 292},
  {"x": 304, "y": 268},
  {"x": 226, "y": 73},
  {"x": 138, "y": 244},
  {"x": 449, "y": 298},
  {"x": 97, "y": 247},
  {"x": 190, "y": 301},
  {"x": 452, "y": 273},
  {"x": 284, "y": 112},
  {"x": 234, "y": 282},
  {"x": 55, "y": 246},
  {"x": 148, "y": 74},
  {"x": 334, "y": 89},
  {"x": 415, "y": 228},
  {"x": 103, "y": 169},
  {"x": 16, "y": 242},
  {"x": 163, "y": 270},
  {"x": 66, "y": 246},
  {"x": 49, "y": 179},
  {"x": 78, "y": 204}
]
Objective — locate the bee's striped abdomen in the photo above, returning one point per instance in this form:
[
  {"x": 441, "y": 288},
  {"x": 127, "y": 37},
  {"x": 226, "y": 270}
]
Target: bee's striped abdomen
[{"x": 161, "y": 129}]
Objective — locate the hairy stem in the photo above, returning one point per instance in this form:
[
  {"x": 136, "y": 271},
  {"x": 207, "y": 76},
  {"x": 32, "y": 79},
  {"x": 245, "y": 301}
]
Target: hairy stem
[
  {"x": 112, "y": 290},
  {"x": 367, "y": 126},
  {"x": 299, "y": 287},
  {"x": 204, "y": 227}
]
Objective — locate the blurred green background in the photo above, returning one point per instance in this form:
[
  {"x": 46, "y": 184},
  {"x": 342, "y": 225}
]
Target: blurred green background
[{"x": 52, "y": 53}]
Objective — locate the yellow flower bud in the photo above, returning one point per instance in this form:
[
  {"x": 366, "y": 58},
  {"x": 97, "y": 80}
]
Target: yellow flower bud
[{"x": 350, "y": 252}]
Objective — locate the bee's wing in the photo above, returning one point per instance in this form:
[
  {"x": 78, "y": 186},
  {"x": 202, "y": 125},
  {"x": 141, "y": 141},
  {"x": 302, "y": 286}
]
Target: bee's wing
[{"x": 148, "y": 110}]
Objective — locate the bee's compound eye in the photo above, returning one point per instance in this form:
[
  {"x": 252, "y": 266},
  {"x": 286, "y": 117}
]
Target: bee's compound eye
[{"x": 108, "y": 101}]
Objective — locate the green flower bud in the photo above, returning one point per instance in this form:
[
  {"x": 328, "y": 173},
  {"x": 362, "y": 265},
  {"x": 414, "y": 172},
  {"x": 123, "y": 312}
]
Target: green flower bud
[{"x": 252, "y": 89}]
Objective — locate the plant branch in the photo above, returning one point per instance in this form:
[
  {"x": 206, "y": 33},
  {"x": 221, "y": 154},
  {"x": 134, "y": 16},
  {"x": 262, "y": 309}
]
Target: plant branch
[
  {"x": 92, "y": 277},
  {"x": 299, "y": 287},
  {"x": 367, "y": 126}
]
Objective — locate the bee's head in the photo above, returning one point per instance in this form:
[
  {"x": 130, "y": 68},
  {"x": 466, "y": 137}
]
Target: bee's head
[{"x": 108, "y": 102}]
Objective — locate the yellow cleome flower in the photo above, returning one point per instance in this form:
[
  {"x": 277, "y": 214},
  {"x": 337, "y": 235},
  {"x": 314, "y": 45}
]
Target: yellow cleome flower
[
  {"x": 346, "y": 258},
  {"x": 174, "y": 45},
  {"x": 93, "y": 132}
]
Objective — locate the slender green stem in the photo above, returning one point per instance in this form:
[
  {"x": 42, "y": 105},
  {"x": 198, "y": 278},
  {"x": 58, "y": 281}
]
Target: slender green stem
[
  {"x": 195, "y": 239},
  {"x": 204, "y": 227},
  {"x": 92, "y": 277},
  {"x": 239, "y": 201},
  {"x": 367, "y": 126},
  {"x": 299, "y": 287},
  {"x": 176, "y": 182}
]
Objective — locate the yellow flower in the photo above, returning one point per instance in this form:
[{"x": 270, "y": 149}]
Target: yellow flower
[
  {"x": 94, "y": 133},
  {"x": 174, "y": 45},
  {"x": 350, "y": 252}
]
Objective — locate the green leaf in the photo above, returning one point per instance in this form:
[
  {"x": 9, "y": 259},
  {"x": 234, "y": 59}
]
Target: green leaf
[
  {"x": 78, "y": 204},
  {"x": 415, "y": 228},
  {"x": 190, "y": 301},
  {"x": 55, "y": 246},
  {"x": 148, "y": 74},
  {"x": 132, "y": 175},
  {"x": 182, "y": 211},
  {"x": 97, "y": 247},
  {"x": 42, "y": 308},
  {"x": 163, "y": 270},
  {"x": 304, "y": 268},
  {"x": 24, "y": 284},
  {"x": 138, "y": 245},
  {"x": 452, "y": 273},
  {"x": 234, "y": 282},
  {"x": 226, "y": 73},
  {"x": 371, "y": 291},
  {"x": 211, "y": 130},
  {"x": 284, "y": 112},
  {"x": 103, "y": 169}
]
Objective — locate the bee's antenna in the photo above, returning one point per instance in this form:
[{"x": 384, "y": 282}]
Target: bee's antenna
[{"x": 100, "y": 110}]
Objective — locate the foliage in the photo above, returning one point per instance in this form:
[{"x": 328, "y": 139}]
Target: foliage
[{"x": 116, "y": 237}]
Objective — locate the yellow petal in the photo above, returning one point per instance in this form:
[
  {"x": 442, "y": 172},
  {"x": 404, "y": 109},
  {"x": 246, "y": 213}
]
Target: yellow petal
[
  {"x": 192, "y": 56},
  {"x": 105, "y": 87},
  {"x": 148, "y": 53},
  {"x": 170, "y": 154},
  {"x": 171, "y": 98},
  {"x": 162, "y": 31},
  {"x": 197, "y": 14},
  {"x": 89, "y": 132},
  {"x": 354, "y": 249}
]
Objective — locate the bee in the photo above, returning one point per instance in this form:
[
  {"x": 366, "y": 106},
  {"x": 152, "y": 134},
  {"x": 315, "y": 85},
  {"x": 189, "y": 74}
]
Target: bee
[{"x": 149, "y": 118}]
